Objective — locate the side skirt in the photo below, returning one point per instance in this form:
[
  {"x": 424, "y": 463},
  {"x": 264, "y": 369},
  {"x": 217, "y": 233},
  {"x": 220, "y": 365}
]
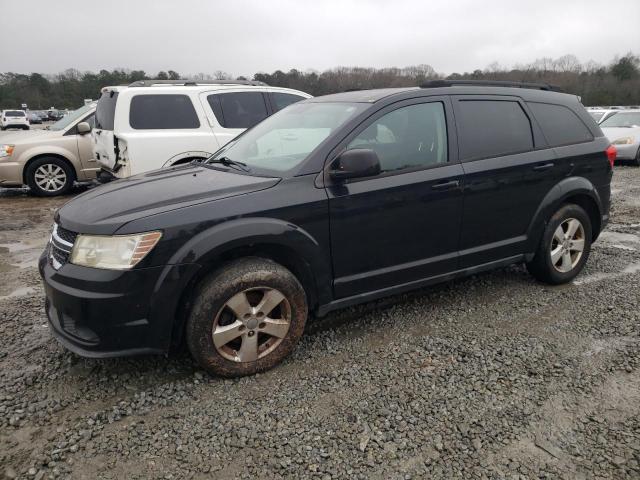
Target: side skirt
[{"x": 405, "y": 287}]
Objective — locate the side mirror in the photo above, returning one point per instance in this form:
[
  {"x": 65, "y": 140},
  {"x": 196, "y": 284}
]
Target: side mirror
[
  {"x": 356, "y": 163},
  {"x": 83, "y": 128}
]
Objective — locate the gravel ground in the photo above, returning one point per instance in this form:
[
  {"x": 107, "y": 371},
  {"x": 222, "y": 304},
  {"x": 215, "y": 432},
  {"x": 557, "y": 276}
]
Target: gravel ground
[{"x": 495, "y": 376}]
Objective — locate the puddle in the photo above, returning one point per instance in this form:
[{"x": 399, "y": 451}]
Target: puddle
[
  {"x": 621, "y": 241},
  {"x": 633, "y": 268},
  {"x": 598, "y": 277},
  {"x": 15, "y": 247},
  {"x": 609, "y": 236},
  {"x": 19, "y": 292}
]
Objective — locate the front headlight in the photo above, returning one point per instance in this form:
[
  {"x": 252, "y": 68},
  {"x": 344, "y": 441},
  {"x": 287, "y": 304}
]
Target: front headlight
[
  {"x": 119, "y": 252},
  {"x": 6, "y": 150},
  {"x": 623, "y": 141}
]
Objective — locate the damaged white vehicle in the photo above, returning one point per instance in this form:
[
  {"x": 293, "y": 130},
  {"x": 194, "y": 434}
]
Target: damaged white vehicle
[{"x": 152, "y": 124}]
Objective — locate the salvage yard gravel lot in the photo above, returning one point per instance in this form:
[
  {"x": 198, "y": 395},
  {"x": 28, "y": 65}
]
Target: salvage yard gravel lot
[{"x": 494, "y": 376}]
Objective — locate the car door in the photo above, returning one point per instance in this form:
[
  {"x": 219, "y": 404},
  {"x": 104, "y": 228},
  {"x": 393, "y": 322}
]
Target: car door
[
  {"x": 508, "y": 170},
  {"x": 85, "y": 146},
  {"x": 231, "y": 112},
  {"x": 402, "y": 225}
]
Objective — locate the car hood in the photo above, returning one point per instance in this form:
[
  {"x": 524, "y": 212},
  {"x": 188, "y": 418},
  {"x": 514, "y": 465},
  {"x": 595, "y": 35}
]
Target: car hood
[
  {"x": 104, "y": 209},
  {"x": 613, "y": 133},
  {"x": 26, "y": 136}
]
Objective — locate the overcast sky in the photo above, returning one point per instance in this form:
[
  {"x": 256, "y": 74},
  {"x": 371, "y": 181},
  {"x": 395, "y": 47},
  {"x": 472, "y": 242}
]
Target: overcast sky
[{"x": 246, "y": 36}]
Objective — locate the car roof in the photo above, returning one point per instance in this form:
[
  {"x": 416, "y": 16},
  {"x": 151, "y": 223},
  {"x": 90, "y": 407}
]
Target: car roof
[
  {"x": 373, "y": 96},
  {"x": 204, "y": 87}
]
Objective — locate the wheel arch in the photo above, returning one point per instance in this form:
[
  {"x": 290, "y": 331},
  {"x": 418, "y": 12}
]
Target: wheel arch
[
  {"x": 282, "y": 242},
  {"x": 48, "y": 155},
  {"x": 576, "y": 190}
]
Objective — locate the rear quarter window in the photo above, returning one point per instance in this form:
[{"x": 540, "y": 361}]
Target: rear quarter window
[
  {"x": 492, "y": 128},
  {"x": 238, "y": 109},
  {"x": 106, "y": 110},
  {"x": 280, "y": 100},
  {"x": 162, "y": 112},
  {"x": 559, "y": 124}
]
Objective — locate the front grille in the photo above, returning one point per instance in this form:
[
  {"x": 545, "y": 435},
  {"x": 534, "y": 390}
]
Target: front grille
[
  {"x": 66, "y": 235},
  {"x": 59, "y": 255},
  {"x": 60, "y": 246}
]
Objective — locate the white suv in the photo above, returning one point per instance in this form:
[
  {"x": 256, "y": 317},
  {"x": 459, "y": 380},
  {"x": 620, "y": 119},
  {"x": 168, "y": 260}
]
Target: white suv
[
  {"x": 152, "y": 124},
  {"x": 14, "y": 119}
]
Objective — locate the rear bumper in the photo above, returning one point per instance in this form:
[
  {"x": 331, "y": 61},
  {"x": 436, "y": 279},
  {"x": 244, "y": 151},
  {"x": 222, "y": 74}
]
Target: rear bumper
[
  {"x": 10, "y": 173},
  {"x": 627, "y": 152},
  {"x": 105, "y": 313}
]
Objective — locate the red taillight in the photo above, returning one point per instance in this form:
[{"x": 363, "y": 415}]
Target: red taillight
[{"x": 611, "y": 154}]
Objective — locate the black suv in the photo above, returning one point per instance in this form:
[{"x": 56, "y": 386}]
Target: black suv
[{"x": 332, "y": 201}]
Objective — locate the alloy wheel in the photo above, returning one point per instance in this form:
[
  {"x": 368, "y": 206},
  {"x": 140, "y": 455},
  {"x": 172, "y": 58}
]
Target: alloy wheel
[
  {"x": 251, "y": 324},
  {"x": 50, "y": 177},
  {"x": 567, "y": 245}
]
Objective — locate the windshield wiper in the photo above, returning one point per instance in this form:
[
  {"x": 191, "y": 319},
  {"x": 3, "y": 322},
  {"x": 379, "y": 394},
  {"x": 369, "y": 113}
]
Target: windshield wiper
[{"x": 227, "y": 162}]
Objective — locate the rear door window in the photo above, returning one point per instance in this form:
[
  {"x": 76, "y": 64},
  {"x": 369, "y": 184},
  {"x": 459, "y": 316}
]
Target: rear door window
[
  {"x": 14, "y": 113},
  {"x": 280, "y": 100},
  {"x": 238, "y": 109},
  {"x": 162, "y": 112},
  {"x": 559, "y": 124},
  {"x": 492, "y": 128},
  {"x": 106, "y": 110}
]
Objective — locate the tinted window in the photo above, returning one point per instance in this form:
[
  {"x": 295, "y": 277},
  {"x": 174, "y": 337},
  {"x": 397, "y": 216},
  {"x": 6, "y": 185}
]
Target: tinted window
[
  {"x": 409, "y": 137},
  {"x": 238, "y": 110},
  {"x": 14, "y": 113},
  {"x": 91, "y": 120},
  {"x": 595, "y": 115},
  {"x": 623, "y": 119},
  {"x": 150, "y": 112},
  {"x": 106, "y": 110},
  {"x": 491, "y": 128},
  {"x": 559, "y": 124},
  {"x": 281, "y": 100}
]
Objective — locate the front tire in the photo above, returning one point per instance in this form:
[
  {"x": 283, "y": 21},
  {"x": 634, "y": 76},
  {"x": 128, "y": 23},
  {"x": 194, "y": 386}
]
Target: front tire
[
  {"x": 49, "y": 176},
  {"x": 564, "y": 248},
  {"x": 246, "y": 318}
]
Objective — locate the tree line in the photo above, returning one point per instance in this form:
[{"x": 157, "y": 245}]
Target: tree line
[{"x": 616, "y": 83}]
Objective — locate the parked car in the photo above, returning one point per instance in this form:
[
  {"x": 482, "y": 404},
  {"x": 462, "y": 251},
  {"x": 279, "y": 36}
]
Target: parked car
[
  {"x": 54, "y": 115},
  {"x": 153, "y": 124},
  {"x": 328, "y": 203},
  {"x": 14, "y": 119},
  {"x": 34, "y": 118},
  {"x": 623, "y": 130},
  {"x": 600, "y": 115},
  {"x": 49, "y": 161}
]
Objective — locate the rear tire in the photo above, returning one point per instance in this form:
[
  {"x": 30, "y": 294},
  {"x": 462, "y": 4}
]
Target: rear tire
[
  {"x": 247, "y": 317},
  {"x": 564, "y": 247},
  {"x": 49, "y": 176}
]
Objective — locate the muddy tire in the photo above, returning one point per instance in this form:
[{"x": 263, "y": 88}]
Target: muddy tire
[
  {"x": 564, "y": 247},
  {"x": 246, "y": 318},
  {"x": 49, "y": 177}
]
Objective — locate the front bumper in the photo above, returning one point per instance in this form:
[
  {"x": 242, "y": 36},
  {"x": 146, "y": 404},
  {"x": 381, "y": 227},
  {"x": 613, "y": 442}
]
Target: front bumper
[
  {"x": 10, "y": 173},
  {"x": 107, "y": 313},
  {"x": 627, "y": 152}
]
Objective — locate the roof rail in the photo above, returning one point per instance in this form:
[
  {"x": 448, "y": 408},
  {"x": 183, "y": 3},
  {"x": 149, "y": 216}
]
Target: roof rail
[
  {"x": 490, "y": 83},
  {"x": 192, "y": 83}
]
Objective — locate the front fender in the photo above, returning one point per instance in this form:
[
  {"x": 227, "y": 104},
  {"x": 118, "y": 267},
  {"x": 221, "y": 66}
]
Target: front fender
[
  {"x": 564, "y": 189},
  {"x": 207, "y": 247},
  {"x": 53, "y": 150}
]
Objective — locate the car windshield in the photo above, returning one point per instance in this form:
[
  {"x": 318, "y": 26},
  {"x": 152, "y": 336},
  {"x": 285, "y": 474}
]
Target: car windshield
[
  {"x": 596, "y": 115},
  {"x": 13, "y": 113},
  {"x": 282, "y": 141},
  {"x": 622, "y": 119},
  {"x": 67, "y": 120}
]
